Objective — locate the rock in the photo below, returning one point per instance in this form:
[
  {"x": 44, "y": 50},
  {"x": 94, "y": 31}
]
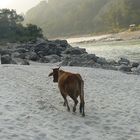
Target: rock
[
  {"x": 54, "y": 50},
  {"x": 41, "y": 41},
  {"x": 89, "y": 63},
  {"x": 33, "y": 56},
  {"x": 65, "y": 60},
  {"x": 62, "y": 43},
  {"x": 71, "y": 60},
  {"x": 111, "y": 62},
  {"x": 73, "y": 63},
  {"x": 6, "y": 59},
  {"x": 109, "y": 67},
  {"x": 16, "y": 54},
  {"x": 113, "y": 39},
  {"x": 123, "y": 61},
  {"x": 101, "y": 61},
  {"x": 125, "y": 68},
  {"x": 138, "y": 69},
  {"x": 133, "y": 69},
  {"x": 20, "y": 61},
  {"x": 52, "y": 58},
  {"x": 21, "y": 50},
  {"x": 19, "y": 55},
  {"x": 43, "y": 60},
  {"x": 79, "y": 60},
  {"x": 89, "y": 57},
  {"x": 5, "y": 51},
  {"x": 41, "y": 49},
  {"x": 135, "y": 64},
  {"x": 75, "y": 51},
  {"x": 25, "y": 62},
  {"x": 27, "y": 46}
]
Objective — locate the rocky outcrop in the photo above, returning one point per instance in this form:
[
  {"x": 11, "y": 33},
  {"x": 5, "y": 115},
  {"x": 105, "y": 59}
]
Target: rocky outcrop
[
  {"x": 6, "y": 59},
  {"x": 46, "y": 51},
  {"x": 43, "y": 51}
]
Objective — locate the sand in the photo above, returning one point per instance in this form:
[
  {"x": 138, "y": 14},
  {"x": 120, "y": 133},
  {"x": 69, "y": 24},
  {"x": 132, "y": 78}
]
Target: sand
[{"x": 31, "y": 107}]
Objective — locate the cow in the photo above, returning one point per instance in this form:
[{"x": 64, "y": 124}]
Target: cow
[{"x": 70, "y": 84}]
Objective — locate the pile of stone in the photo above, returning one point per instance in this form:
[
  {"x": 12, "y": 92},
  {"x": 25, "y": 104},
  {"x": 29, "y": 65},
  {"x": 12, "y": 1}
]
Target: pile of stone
[
  {"x": 43, "y": 51},
  {"x": 46, "y": 51}
]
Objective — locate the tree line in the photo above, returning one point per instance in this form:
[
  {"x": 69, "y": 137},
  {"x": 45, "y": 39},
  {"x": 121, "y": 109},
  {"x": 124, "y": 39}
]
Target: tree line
[
  {"x": 70, "y": 17},
  {"x": 12, "y": 30}
]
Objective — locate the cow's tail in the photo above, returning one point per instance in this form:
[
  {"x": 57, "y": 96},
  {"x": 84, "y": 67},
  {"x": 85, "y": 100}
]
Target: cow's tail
[{"x": 82, "y": 102}]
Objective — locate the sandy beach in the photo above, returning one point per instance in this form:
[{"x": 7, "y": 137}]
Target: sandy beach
[
  {"x": 31, "y": 107},
  {"x": 126, "y": 35}
]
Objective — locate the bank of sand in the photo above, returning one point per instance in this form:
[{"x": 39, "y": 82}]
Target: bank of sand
[
  {"x": 126, "y": 35},
  {"x": 31, "y": 105}
]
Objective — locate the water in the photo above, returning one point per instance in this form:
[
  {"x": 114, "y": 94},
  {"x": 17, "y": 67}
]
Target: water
[{"x": 113, "y": 50}]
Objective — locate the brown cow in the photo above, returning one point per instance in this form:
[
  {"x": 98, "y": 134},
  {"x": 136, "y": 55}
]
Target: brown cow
[{"x": 70, "y": 84}]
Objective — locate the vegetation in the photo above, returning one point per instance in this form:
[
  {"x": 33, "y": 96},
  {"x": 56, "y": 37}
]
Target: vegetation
[
  {"x": 11, "y": 29},
  {"x": 68, "y": 17}
]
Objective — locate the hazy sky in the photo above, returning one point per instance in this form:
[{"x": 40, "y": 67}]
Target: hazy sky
[{"x": 21, "y": 6}]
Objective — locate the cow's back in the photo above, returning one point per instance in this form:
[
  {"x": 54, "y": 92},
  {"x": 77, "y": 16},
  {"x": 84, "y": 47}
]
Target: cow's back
[{"x": 69, "y": 83}]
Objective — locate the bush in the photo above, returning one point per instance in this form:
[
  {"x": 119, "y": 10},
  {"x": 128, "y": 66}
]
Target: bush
[{"x": 11, "y": 29}]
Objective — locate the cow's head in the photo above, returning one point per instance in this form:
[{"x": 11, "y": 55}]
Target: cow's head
[{"x": 55, "y": 74}]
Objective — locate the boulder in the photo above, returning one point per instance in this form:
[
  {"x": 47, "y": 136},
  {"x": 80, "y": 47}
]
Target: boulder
[
  {"x": 21, "y": 50},
  {"x": 25, "y": 62},
  {"x": 101, "y": 61},
  {"x": 89, "y": 63},
  {"x": 33, "y": 56},
  {"x": 63, "y": 43},
  {"x": 123, "y": 61},
  {"x": 5, "y": 51},
  {"x": 41, "y": 41},
  {"x": 19, "y": 55},
  {"x": 135, "y": 64},
  {"x": 125, "y": 68},
  {"x": 73, "y": 63},
  {"x": 52, "y": 58},
  {"x": 79, "y": 60},
  {"x": 16, "y": 54},
  {"x": 75, "y": 51},
  {"x": 6, "y": 59},
  {"x": 138, "y": 69},
  {"x": 43, "y": 60},
  {"x": 89, "y": 57},
  {"x": 41, "y": 49},
  {"x": 111, "y": 62},
  {"x": 20, "y": 61},
  {"x": 54, "y": 50}
]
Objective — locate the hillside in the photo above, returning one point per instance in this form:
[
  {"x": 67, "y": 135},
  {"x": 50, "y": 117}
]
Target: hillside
[{"x": 65, "y": 17}]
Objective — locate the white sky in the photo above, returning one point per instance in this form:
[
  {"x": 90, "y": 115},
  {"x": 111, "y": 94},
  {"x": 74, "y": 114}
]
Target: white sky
[{"x": 21, "y": 6}]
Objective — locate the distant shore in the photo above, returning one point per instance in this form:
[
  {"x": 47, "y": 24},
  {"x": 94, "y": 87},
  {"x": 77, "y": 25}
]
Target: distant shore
[{"x": 126, "y": 35}]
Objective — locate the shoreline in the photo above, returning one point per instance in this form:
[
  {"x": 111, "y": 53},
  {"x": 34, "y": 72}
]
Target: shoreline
[{"x": 121, "y": 36}]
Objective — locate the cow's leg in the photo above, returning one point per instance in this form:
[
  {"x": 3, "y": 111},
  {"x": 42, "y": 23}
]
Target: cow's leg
[
  {"x": 66, "y": 102},
  {"x": 75, "y": 101},
  {"x": 75, "y": 104}
]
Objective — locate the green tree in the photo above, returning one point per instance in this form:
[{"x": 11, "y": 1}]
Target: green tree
[
  {"x": 11, "y": 28},
  {"x": 70, "y": 17}
]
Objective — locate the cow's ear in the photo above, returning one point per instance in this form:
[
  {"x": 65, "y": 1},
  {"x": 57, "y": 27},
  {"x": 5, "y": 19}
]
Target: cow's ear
[
  {"x": 51, "y": 74},
  {"x": 59, "y": 67}
]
